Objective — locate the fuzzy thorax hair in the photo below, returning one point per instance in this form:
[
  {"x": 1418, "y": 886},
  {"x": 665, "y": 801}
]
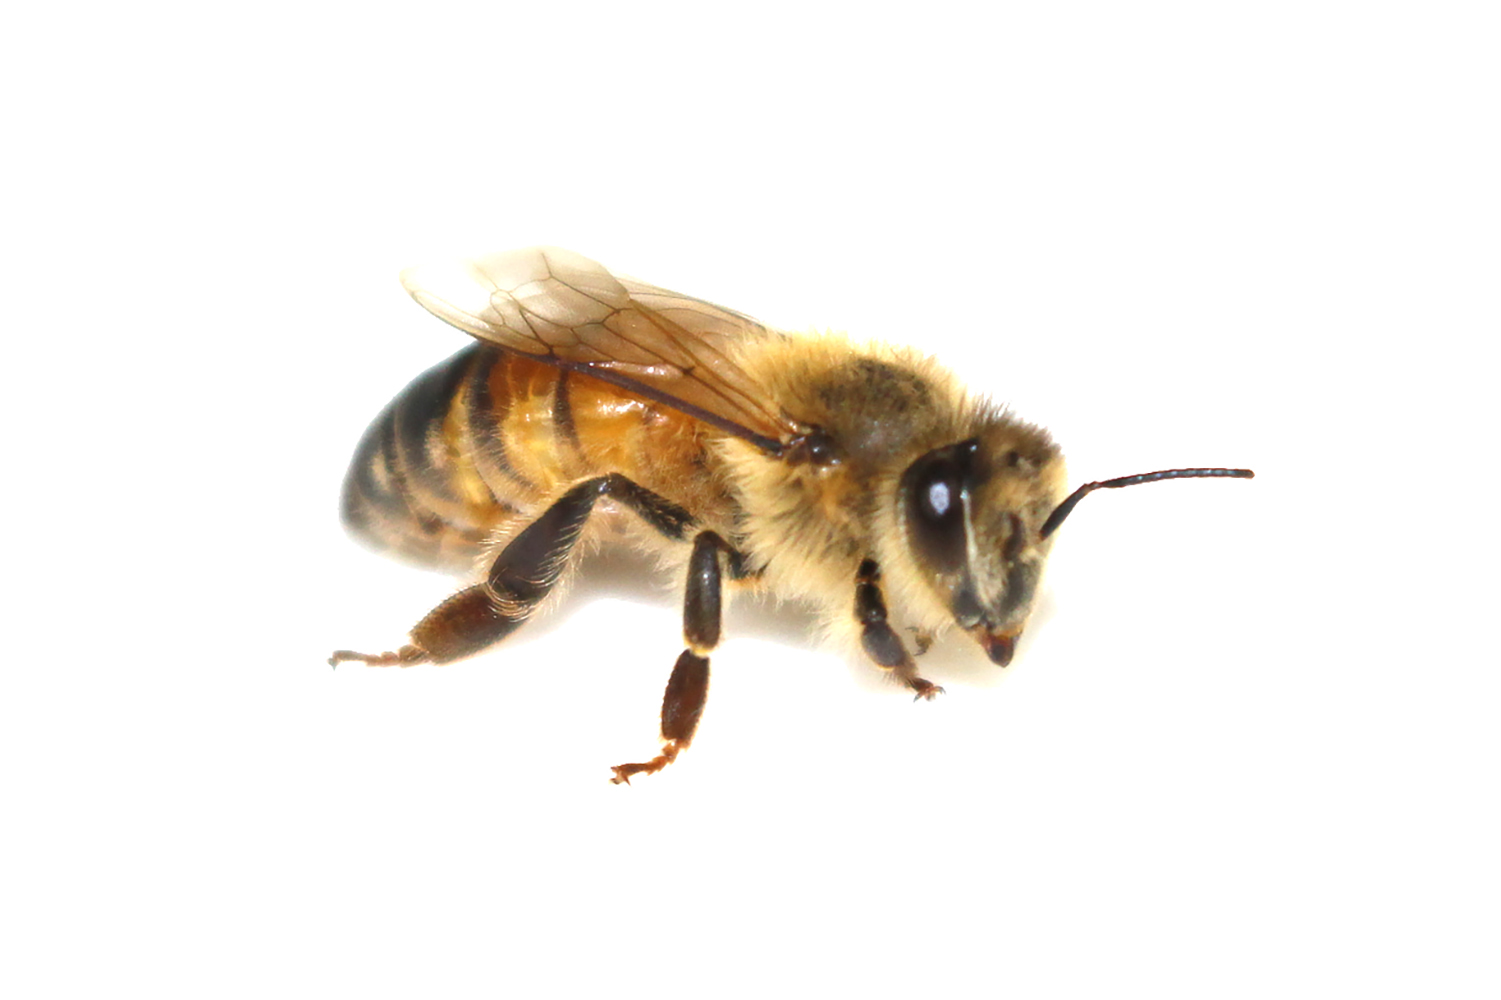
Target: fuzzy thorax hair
[{"x": 883, "y": 407}]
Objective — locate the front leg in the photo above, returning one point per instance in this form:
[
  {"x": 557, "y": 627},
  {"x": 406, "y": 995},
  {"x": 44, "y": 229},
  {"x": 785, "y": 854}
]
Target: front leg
[{"x": 880, "y": 640}]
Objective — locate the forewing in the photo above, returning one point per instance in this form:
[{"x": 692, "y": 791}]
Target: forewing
[{"x": 567, "y": 310}]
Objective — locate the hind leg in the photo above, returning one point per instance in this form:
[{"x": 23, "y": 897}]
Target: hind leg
[{"x": 521, "y": 578}]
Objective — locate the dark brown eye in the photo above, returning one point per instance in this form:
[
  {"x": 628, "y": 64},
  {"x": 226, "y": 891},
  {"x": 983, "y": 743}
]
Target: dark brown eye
[
  {"x": 937, "y": 493},
  {"x": 937, "y": 489}
]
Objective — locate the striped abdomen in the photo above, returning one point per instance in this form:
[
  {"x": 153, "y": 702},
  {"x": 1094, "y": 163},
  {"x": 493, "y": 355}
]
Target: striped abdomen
[{"x": 488, "y": 437}]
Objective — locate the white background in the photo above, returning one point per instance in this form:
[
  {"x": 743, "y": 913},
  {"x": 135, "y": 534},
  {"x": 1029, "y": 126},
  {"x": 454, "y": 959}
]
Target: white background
[{"x": 1248, "y": 748}]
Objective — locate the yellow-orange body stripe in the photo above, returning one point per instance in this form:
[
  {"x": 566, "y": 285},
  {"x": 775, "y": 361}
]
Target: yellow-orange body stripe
[{"x": 488, "y": 438}]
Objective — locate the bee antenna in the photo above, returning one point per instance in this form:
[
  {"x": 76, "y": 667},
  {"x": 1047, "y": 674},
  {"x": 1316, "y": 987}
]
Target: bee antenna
[{"x": 1066, "y": 507}]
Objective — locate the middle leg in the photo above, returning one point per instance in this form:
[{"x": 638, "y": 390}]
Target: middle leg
[{"x": 688, "y": 687}]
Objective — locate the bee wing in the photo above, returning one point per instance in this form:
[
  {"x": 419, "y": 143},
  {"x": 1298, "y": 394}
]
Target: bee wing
[{"x": 565, "y": 309}]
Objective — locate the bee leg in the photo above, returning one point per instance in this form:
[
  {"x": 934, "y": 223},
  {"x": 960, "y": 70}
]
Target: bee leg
[
  {"x": 880, "y": 640},
  {"x": 688, "y": 687},
  {"x": 521, "y": 577}
]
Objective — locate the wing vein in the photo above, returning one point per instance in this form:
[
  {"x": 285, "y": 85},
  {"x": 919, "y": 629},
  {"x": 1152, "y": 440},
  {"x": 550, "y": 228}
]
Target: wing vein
[{"x": 572, "y": 313}]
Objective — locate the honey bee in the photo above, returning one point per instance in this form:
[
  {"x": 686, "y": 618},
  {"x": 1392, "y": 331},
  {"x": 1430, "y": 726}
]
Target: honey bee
[{"x": 594, "y": 409}]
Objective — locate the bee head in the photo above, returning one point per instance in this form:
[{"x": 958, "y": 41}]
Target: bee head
[
  {"x": 973, "y": 514},
  {"x": 979, "y": 517}
]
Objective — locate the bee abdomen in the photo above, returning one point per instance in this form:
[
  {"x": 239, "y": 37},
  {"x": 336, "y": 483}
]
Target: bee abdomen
[
  {"x": 479, "y": 441},
  {"x": 411, "y": 487}
]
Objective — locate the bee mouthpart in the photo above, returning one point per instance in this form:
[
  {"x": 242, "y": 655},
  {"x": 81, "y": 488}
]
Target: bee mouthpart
[{"x": 999, "y": 647}]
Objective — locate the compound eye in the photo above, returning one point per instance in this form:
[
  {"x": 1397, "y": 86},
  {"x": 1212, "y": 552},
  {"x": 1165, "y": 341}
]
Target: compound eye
[
  {"x": 937, "y": 488},
  {"x": 938, "y": 498}
]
